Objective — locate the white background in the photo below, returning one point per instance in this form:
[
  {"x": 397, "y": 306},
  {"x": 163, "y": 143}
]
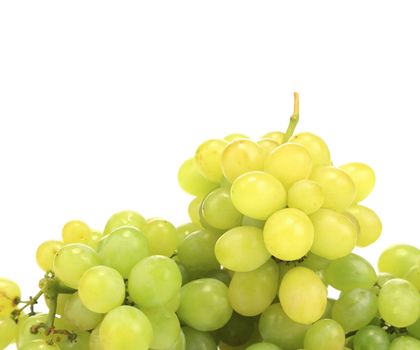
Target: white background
[{"x": 100, "y": 102}]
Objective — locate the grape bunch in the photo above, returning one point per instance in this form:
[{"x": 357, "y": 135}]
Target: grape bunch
[{"x": 273, "y": 228}]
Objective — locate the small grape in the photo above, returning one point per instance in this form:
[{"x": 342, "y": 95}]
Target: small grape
[
  {"x": 363, "y": 177},
  {"x": 46, "y": 253},
  {"x": 326, "y": 335},
  {"x": 9, "y": 296},
  {"x": 305, "y": 195},
  {"x": 398, "y": 259},
  {"x": 124, "y": 218},
  {"x": 192, "y": 181},
  {"x": 208, "y": 158},
  {"x": 162, "y": 237}
]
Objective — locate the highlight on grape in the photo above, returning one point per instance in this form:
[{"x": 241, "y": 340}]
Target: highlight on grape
[{"x": 273, "y": 227}]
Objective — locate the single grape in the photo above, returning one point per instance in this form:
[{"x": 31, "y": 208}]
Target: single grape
[
  {"x": 363, "y": 178},
  {"x": 369, "y": 223},
  {"x": 196, "y": 340},
  {"x": 185, "y": 229},
  {"x": 306, "y": 195},
  {"x": 263, "y": 346},
  {"x": 8, "y": 329},
  {"x": 95, "y": 239},
  {"x": 237, "y": 331},
  {"x": 124, "y": 218},
  {"x": 371, "y": 338},
  {"x": 384, "y": 277},
  {"x": 413, "y": 275},
  {"x": 26, "y": 330},
  {"x": 162, "y": 237},
  {"x": 267, "y": 145},
  {"x": 76, "y": 231},
  {"x": 9, "y": 296},
  {"x": 235, "y": 136},
  {"x": 194, "y": 210},
  {"x": 95, "y": 340},
  {"x": 277, "y": 136},
  {"x": 398, "y": 259},
  {"x": 80, "y": 316},
  {"x": 40, "y": 344},
  {"x": 405, "y": 343},
  {"x": 165, "y": 326},
  {"x": 316, "y": 147},
  {"x": 179, "y": 343},
  {"x": 46, "y": 253},
  {"x": 326, "y": 335},
  {"x": 208, "y": 158},
  {"x": 192, "y": 181}
]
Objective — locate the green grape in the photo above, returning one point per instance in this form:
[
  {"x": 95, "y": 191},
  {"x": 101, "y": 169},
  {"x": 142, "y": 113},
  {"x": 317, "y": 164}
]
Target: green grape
[
  {"x": 162, "y": 237},
  {"x": 316, "y": 147},
  {"x": 79, "y": 316},
  {"x": 194, "y": 210},
  {"x": 76, "y": 231},
  {"x": 277, "y": 136},
  {"x": 125, "y": 328},
  {"x": 384, "y": 277},
  {"x": 305, "y": 195},
  {"x": 9, "y": 296},
  {"x": 267, "y": 145},
  {"x": 165, "y": 326},
  {"x": 289, "y": 163},
  {"x": 288, "y": 234},
  {"x": 399, "y": 303},
  {"x": 46, "y": 253},
  {"x": 185, "y": 274},
  {"x": 26, "y": 334},
  {"x": 80, "y": 343},
  {"x": 250, "y": 293},
  {"x": 349, "y": 272},
  {"x": 61, "y": 302},
  {"x": 208, "y": 158},
  {"x": 405, "y": 343},
  {"x": 315, "y": 262},
  {"x": 263, "y": 346},
  {"x": 101, "y": 289},
  {"x": 237, "y": 331},
  {"x": 398, "y": 259},
  {"x": 414, "y": 329},
  {"x": 192, "y": 181},
  {"x": 174, "y": 302},
  {"x": 235, "y": 136},
  {"x": 328, "y": 309},
  {"x": 277, "y": 328},
  {"x": 258, "y": 194},
  {"x": 338, "y": 187},
  {"x": 371, "y": 338},
  {"x": 196, "y": 340},
  {"x": 363, "y": 178},
  {"x": 95, "y": 340},
  {"x": 95, "y": 239},
  {"x": 196, "y": 252},
  {"x": 179, "y": 343},
  {"x": 369, "y": 223},
  {"x": 240, "y": 157},
  {"x": 247, "y": 221},
  {"x": 72, "y": 261},
  {"x": 303, "y": 295},
  {"x": 335, "y": 234},
  {"x": 40, "y": 344},
  {"x": 123, "y": 248},
  {"x": 355, "y": 308},
  {"x": 154, "y": 281},
  {"x": 242, "y": 249},
  {"x": 184, "y": 230},
  {"x": 326, "y": 335},
  {"x": 8, "y": 329},
  {"x": 218, "y": 211},
  {"x": 124, "y": 218}
]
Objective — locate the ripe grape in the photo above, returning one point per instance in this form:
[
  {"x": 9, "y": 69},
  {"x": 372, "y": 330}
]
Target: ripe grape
[
  {"x": 46, "y": 253},
  {"x": 398, "y": 259},
  {"x": 405, "y": 343},
  {"x": 8, "y": 329},
  {"x": 196, "y": 340},
  {"x": 235, "y": 136},
  {"x": 192, "y": 181},
  {"x": 263, "y": 346},
  {"x": 184, "y": 230},
  {"x": 76, "y": 231},
  {"x": 208, "y": 158},
  {"x": 277, "y": 136},
  {"x": 194, "y": 210},
  {"x": 316, "y": 147},
  {"x": 9, "y": 296},
  {"x": 305, "y": 195},
  {"x": 371, "y": 338},
  {"x": 363, "y": 178},
  {"x": 162, "y": 237},
  {"x": 326, "y": 335},
  {"x": 124, "y": 218},
  {"x": 369, "y": 223},
  {"x": 80, "y": 316},
  {"x": 413, "y": 275},
  {"x": 40, "y": 345},
  {"x": 267, "y": 145}
]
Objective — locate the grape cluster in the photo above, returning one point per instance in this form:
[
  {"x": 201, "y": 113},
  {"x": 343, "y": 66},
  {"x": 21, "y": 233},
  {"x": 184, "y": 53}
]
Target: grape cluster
[{"x": 273, "y": 228}]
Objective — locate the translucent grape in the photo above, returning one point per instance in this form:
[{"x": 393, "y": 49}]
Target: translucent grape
[
  {"x": 208, "y": 158},
  {"x": 46, "y": 253},
  {"x": 95, "y": 340},
  {"x": 185, "y": 229},
  {"x": 263, "y": 346},
  {"x": 242, "y": 249},
  {"x": 194, "y": 210},
  {"x": 204, "y": 304},
  {"x": 405, "y": 343},
  {"x": 316, "y": 147},
  {"x": 80, "y": 316},
  {"x": 95, "y": 239},
  {"x": 162, "y": 237},
  {"x": 165, "y": 326},
  {"x": 335, "y": 234},
  {"x": 179, "y": 342},
  {"x": 371, "y": 338},
  {"x": 363, "y": 178},
  {"x": 288, "y": 234},
  {"x": 277, "y": 136},
  {"x": 235, "y": 136},
  {"x": 25, "y": 335},
  {"x": 124, "y": 218},
  {"x": 306, "y": 195},
  {"x": 192, "y": 181},
  {"x": 125, "y": 328},
  {"x": 8, "y": 330},
  {"x": 40, "y": 345},
  {"x": 369, "y": 223},
  {"x": 413, "y": 275},
  {"x": 76, "y": 231},
  {"x": 9, "y": 296},
  {"x": 267, "y": 145},
  {"x": 384, "y": 277},
  {"x": 398, "y": 259},
  {"x": 101, "y": 289},
  {"x": 196, "y": 340},
  {"x": 326, "y": 335},
  {"x": 237, "y": 331},
  {"x": 258, "y": 194},
  {"x": 154, "y": 281}
]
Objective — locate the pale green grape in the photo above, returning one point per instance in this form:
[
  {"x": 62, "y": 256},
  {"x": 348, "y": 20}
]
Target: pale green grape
[
  {"x": 72, "y": 261},
  {"x": 76, "y": 231},
  {"x": 9, "y": 296},
  {"x": 316, "y": 147},
  {"x": 384, "y": 277},
  {"x": 338, "y": 187},
  {"x": 277, "y": 328},
  {"x": 61, "y": 302},
  {"x": 242, "y": 249},
  {"x": 174, "y": 302},
  {"x": 218, "y": 211},
  {"x": 165, "y": 326},
  {"x": 101, "y": 289},
  {"x": 405, "y": 343},
  {"x": 263, "y": 346},
  {"x": 399, "y": 303},
  {"x": 208, "y": 158},
  {"x": 196, "y": 340},
  {"x": 46, "y": 253},
  {"x": 194, "y": 211},
  {"x": 413, "y": 275},
  {"x": 306, "y": 195},
  {"x": 277, "y": 136},
  {"x": 303, "y": 295},
  {"x": 335, "y": 234},
  {"x": 123, "y": 248},
  {"x": 125, "y": 328},
  {"x": 326, "y": 335},
  {"x": 192, "y": 181},
  {"x": 267, "y": 145},
  {"x": 184, "y": 230},
  {"x": 241, "y": 156},
  {"x": 369, "y": 223},
  {"x": 355, "y": 308},
  {"x": 235, "y": 136},
  {"x": 95, "y": 239},
  {"x": 398, "y": 259},
  {"x": 288, "y": 234},
  {"x": 124, "y": 218},
  {"x": 162, "y": 237},
  {"x": 154, "y": 281},
  {"x": 204, "y": 304},
  {"x": 237, "y": 331},
  {"x": 8, "y": 329},
  {"x": 250, "y": 293},
  {"x": 258, "y": 194},
  {"x": 349, "y": 272},
  {"x": 289, "y": 163},
  {"x": 25, "y": 334},
  {"x": 179, "y": 343},
  {"x": 363, "y": 178},
  {"x": 79, "y": 316},
  {"x": 414, "y": 329},
  {"x": 80, "y": 343},
  {"x": 315, "y": 262},
  {"x": 95, "y": 340},
  {"x": 40, "y": 345},
  {"x": 371, "y": 338}
]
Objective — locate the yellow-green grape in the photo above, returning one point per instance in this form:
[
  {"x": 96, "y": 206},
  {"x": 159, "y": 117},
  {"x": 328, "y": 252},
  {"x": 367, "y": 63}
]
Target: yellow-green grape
[
  {"x": 235, "y": 136},
  {"x": 46, "y": 253},
  {"x": 288, "y": 234},
  {"x": 8, "y": 329},
  {"x": 289, "y": 163},
  {"x": 263, "y": 346},
  {"x": 196, "y": 340},
  {"x": 277, "y": 136},
  {"x": 124, "y": 218},
  {"x": 398, "y": 259},
  {"x": 315, "y": 262},
  {"x": 413, "y": 276},
  {"x": 405, "y": 343},
  {"x": 267, "y": 145},
  {"x": 303, "y": 295},
  {"x": 179, "y": 342},
  {"x": 81, "y": 342},
  {"x": 80, "y": 316},
  {"x": 194, "y": 210},
  {"x": 247, "y": 221},
  {"x": 9, "y": 296},
  {"x": 326, "y": 335},
  {"x": 208, "y": 159},
  {"x": 335, "y": 234},
  {"x": 76, "y": 231},
  {"x": 192, "y": 181},
  {"x": 95, "y": 340},
  {"x": 250, "y": 293},
  {"x": 369, "y": 223},
  {"x": 173, "y": 304},
  {"x": 363, "y": 178},
  {"x": 162, "y": 237},
  {"x": 184, "y": 230},
  {"x": 165, "y": 326},
  {"x": 258, "y": 194},
  {"x": 316, "y": 147},
  {"x": 240, "y": 157},
  {"x": 96, "y": 237},
  {"x": 242, "y": 249},
  {"x": 371, "y": 337},
  {"x": 25, "y": 334},
  {"x": 306, "y": 195},
  {"x": 339, "y": 189}
]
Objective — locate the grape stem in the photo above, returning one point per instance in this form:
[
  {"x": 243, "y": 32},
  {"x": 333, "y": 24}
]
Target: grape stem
[
  {"x": 31, "y": 303},
  {"x": 294, "y": 119}
]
